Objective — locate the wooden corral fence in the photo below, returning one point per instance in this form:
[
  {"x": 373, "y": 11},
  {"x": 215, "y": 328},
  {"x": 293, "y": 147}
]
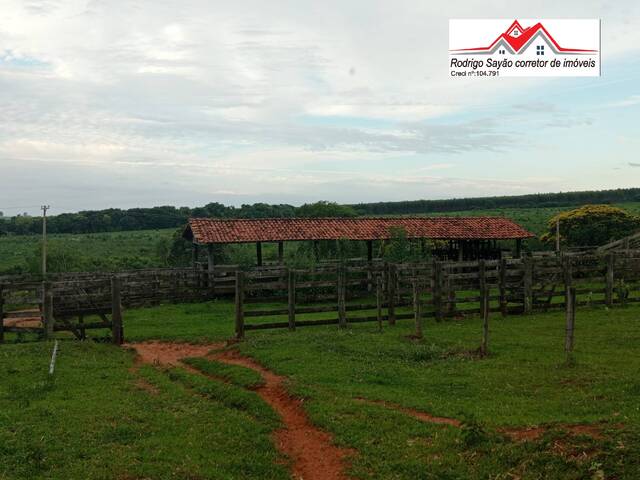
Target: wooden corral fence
[
  {"x": 48, "y": 307},
  {"x": 389, "y": 292}
]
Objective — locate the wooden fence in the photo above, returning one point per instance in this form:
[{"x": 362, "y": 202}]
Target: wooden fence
[
  {"x": 389, "y": 292},
  {"x": 48, "y": 307}
]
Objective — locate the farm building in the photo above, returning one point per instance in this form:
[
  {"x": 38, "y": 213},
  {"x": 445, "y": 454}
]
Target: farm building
[{"x": 458, "y": 238}]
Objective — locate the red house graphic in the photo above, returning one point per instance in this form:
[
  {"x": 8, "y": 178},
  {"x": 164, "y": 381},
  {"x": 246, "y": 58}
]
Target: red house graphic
[{"x": 516, "y": 40}]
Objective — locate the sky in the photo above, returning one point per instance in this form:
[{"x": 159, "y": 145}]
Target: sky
[{"x": 127, "y": 103}]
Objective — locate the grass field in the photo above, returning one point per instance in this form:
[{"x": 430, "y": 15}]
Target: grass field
[{"x": 103, "y": 417}]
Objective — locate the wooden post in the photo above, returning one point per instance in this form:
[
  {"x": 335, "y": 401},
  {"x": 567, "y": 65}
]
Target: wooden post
[
  {"x": 239, "y": 304},
  {"x": 259, "y": 253},
  {"x": 484, "y": 347},
  {"x": 417, "y": 314},
  {"x": 210, "y": 266},
  {"x": 391, "y": 294},
  {"x": 47, "y": 310},
  {"x": 291, "y": 287},
  {"x": 369, "y": 250},
  {"x": 570, "y": 321},
  {"x": 1, "y": 314},
  {"x": 379, "y": 301},
  {"x": 527, "y": 284},
  {"x": 437, "y": 290},
  {"x": 451, "y": 296},
  {"x": 117, "y": 330},
  {"x": 281, "y": 253},
  {"x": 482, "y": 280},
  {"x": 518, "y": 248},
  {"x": 503, "y": 287},
  {"x": 341, "y": 284},
  {"x": 567, "y": 276},
  {"x": 609, "y": 280}
]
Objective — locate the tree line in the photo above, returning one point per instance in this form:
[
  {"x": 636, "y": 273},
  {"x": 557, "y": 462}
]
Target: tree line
[
  {"x": 114, "y": 220},
  {"x": 538, "y": 200}
]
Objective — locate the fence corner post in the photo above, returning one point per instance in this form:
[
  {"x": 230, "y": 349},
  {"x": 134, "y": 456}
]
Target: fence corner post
[
  {"x": 291, "y": 298},
  {"x": 239, "y": 304},
  {"x": 117, "y": 330}
]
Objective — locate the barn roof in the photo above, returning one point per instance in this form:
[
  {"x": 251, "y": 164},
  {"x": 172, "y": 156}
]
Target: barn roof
[{"x": 211, "y": 230}]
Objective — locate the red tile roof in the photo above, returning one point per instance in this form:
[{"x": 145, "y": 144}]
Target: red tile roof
[{"x": 211, "y": 230}]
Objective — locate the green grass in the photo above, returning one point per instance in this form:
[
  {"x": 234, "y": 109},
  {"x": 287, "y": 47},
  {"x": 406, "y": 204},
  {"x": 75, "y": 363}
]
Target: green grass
[
  {"x": 200, "y": 427},
  {"x": 93, "y": 421},
  {"x": 234, "y": 374},
  {"x": 105, "y": 251}
]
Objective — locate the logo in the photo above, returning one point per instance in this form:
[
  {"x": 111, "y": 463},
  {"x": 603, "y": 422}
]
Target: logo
[{"x": 493, "y": 48}]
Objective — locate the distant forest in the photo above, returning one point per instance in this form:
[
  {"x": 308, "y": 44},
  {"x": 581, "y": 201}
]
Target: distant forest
[
  {"x": 538, "y": 200},
  {"x": 113, "y": 220}
]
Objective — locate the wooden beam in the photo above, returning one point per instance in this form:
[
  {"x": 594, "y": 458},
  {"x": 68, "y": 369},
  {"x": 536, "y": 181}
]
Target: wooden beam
[
  {"x": 259, "y": 254},
  {"x": 518, "y": 248},
  {"x": 369, "y": 250}
]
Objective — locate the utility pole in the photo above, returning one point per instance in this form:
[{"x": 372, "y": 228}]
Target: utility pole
[{"x": 44, "y": 209}]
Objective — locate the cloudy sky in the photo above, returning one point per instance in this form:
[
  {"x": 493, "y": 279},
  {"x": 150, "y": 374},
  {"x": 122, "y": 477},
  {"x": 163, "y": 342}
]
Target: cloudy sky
[{"x": 122, "y": 103}]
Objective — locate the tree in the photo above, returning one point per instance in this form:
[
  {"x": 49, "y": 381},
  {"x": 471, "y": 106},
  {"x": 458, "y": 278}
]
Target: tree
[
  {"x": 591, "y": 225},
  {"x": 325, "y": 209}
]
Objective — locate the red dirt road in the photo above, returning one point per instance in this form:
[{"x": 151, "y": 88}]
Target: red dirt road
[{"x": 313, "y": 455}]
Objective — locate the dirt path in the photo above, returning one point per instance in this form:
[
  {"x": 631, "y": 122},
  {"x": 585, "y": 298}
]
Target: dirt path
[
  {"x": 523, "y": 434},
  {"x": 313, "y": 455}
]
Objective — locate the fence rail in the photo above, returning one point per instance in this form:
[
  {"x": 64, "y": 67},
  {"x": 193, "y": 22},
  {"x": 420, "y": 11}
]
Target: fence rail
[{"x": 439, "y": 289}]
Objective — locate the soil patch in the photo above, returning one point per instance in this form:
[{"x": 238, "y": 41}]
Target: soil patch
[
  {"x": 310, "y": 449},
  {"x": 314, "y": 456}
]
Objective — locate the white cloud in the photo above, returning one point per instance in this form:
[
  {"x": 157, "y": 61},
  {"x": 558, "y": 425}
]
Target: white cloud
[{"x": 278, "y": 92}]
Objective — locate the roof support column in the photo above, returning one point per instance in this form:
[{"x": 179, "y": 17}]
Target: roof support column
[
  {"x": 369, "y": 250},
  {"x": 259, "y": 253},
  {"x": 281, "y": 252},
  {"x": 518, "y": 248},
  {"x": 316, "y": 250}
]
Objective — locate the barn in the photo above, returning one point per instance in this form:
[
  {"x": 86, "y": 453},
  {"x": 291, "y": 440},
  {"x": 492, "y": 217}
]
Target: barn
[{"x": 459, "y": 238}]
